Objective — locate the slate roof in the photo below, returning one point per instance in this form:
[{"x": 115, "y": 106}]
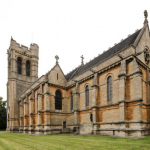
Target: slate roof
[
  {"x": 120, "y": 46},
  {"x": 71, "y": 73}
]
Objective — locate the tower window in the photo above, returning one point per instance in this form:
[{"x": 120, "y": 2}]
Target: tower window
[
  {"x": 19, "y": 66},
  {"x": 28, "y": 68},
  {"x": 58, "y": 100},
  {"x": 109, "y": 88},
  {"x": 87, "y": 95},
  {"x": 57, "y": 76}
]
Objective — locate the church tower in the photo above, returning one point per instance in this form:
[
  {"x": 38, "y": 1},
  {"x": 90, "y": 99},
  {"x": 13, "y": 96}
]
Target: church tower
[{"x": 22, "y": 72}]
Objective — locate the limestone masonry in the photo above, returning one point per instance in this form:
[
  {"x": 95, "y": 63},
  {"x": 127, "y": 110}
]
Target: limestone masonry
[{"x": 110, "y": 95}]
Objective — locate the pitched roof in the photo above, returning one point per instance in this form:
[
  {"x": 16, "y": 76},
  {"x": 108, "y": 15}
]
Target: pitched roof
[
  {"x": 68, "y": 76},
  {"x": 120, "y": 46}
]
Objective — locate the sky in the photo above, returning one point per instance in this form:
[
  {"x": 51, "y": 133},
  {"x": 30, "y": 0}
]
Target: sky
[{"x": 67, "y": 28}]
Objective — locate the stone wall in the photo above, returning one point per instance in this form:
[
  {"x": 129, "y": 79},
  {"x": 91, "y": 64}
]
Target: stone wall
[{"x": 128, "y": 114}]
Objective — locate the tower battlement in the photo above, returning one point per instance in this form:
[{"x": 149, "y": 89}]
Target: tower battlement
[
  {"x": 34, "y": 46},
  {"x": 33, "y": 50}
]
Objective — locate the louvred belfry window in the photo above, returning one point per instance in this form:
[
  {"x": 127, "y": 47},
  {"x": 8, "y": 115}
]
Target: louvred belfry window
[
  {"x": 71, "y": 101},
  {"x": 58, "y": 100},
  {"x": 19, "y": 66},
  {"x": 87, "y": 95},
  {"x": 28, "y": 68},
  {"x": 109, "y": 88}
]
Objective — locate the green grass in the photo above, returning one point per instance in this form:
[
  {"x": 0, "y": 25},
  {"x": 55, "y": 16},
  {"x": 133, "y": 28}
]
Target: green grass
[
  {"x": 14, "y": 141},
  {"x": 3, "y": 130}
]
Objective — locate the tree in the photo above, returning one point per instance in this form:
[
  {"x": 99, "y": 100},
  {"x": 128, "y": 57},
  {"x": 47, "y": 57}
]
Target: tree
[{"x": 3, "y": 115}]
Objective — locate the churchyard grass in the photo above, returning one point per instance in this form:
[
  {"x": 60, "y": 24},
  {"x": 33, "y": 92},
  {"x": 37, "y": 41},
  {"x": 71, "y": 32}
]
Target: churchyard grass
[{"x": 15, "y": 141}]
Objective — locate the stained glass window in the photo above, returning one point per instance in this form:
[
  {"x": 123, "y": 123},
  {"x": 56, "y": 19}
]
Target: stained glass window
[
  {"x": 87, "y": 95},
  {"x": 109, "y": 88},
  {"x": 19, "y": 66},
  {"x": 58, "y": 100}
]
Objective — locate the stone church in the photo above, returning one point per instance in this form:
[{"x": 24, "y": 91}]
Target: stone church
[{"x": 110, "y": 95}]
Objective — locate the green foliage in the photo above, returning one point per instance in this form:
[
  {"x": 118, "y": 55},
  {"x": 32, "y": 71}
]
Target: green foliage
[{"x": 3, "y": 115}]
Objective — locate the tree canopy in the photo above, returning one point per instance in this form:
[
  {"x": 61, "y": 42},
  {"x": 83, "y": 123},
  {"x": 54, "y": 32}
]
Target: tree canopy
[{"x": 3, "y": 115}]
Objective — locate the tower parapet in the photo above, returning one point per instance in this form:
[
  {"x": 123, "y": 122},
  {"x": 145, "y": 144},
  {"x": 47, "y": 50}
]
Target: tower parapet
[
  {"x": 32, "y": 51},
  {"x": 34, "y": 48}
]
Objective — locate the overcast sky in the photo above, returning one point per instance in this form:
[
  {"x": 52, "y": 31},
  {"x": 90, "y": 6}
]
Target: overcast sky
[{"x": 67, "y": 28}]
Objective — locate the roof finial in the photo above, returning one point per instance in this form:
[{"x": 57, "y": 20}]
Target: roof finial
[
  {"x": 82, "y": 63},
  {"x": 146, "y": 15},
  {"x": 56, "y": 59}
]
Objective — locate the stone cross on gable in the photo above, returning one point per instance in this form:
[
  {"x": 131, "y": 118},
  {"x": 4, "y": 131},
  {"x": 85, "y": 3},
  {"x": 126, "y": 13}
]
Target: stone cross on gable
[
  {"x": 146, "y": 15},
  {"x": 56, "y": 59},
  {"x": 82, "y": 63}
]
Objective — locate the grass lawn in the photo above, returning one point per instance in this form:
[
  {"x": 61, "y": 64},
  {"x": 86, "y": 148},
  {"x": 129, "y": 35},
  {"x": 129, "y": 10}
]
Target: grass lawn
[
  {"x": 16, "y": 141},
  {"x": 2, "y": 130}
]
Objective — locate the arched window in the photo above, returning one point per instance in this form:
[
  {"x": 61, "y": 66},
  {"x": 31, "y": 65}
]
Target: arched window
[
  {"x": 19, "y": 66},
  {"x": 58, "y": 100},
  {"x": 109, "y": 88},
  {"x": 87, "y": 95},
  {"x": 28, "y": 68},
  {"x": 71, "y": 101}
]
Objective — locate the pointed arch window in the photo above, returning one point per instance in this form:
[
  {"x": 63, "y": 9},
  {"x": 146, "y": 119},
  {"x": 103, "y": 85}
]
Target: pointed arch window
[
  {"x": 87, "y": 95},
  {"x": 109, "y": 88},
  {"x": 71, "y": 101},
  {"x": 28, "y": 68},
  {"x": 58, "y": 100},
  {"x": 19, "y": 66}
]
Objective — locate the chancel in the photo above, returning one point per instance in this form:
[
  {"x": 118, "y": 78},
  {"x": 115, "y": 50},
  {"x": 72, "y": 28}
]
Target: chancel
[{"x": 109, "y": 95}]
